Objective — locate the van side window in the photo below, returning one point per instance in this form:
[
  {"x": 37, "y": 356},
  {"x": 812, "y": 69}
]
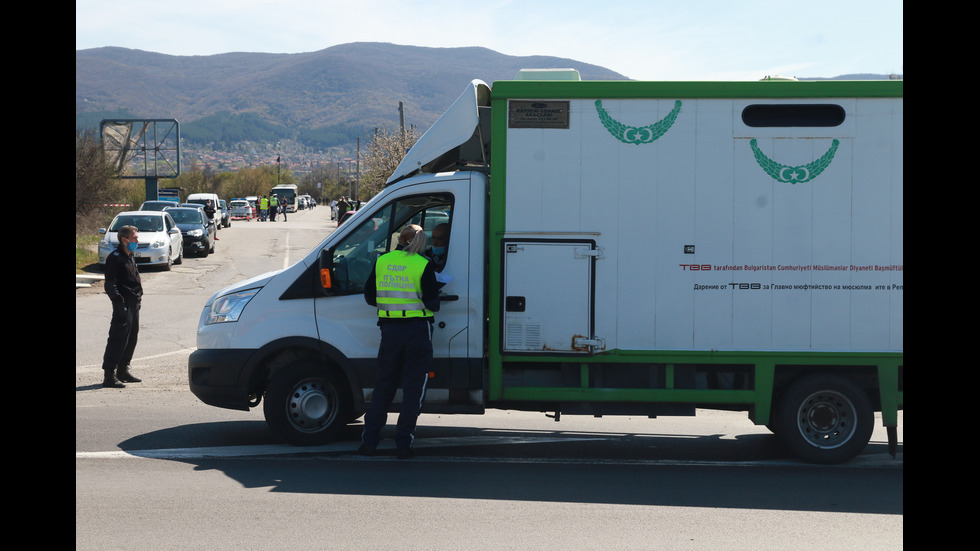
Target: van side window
[
  {"x": 793, "y": 114},
  {"x": 354, "y": 256}
]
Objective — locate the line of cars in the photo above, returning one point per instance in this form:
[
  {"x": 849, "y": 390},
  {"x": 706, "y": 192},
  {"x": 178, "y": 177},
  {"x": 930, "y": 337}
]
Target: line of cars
[{"x": 167, "y": 231}]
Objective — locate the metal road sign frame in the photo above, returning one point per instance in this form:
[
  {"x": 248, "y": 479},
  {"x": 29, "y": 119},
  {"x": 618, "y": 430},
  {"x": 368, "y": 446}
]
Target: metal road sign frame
[{"x": 145, "y": 149}]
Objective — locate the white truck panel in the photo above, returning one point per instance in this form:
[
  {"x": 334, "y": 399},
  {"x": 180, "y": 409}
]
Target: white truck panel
[{"x": 701, "y": 184}]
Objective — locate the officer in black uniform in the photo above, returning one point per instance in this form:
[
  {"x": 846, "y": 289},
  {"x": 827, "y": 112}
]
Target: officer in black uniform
[
  {"x": 125, "y": 290},
  {"x": 403, "y": 286}
]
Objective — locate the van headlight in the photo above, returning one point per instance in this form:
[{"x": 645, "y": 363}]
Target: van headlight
[{"x": 229, "y": 307}]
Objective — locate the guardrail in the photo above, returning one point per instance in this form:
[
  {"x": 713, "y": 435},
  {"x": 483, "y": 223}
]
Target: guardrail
[{"x": 88, "y": 280}]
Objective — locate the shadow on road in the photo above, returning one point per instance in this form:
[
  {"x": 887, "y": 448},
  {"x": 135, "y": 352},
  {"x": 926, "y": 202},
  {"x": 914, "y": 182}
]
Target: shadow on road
[{"x": 551, "y": 466}]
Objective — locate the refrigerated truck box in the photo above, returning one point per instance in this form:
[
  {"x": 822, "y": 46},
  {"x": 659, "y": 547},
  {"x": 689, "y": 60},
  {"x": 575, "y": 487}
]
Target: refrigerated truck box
[{"x": 617, "y": 248}]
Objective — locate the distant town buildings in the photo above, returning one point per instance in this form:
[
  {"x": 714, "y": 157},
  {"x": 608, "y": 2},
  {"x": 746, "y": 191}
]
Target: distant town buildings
[{"x": 299, "y": 160}]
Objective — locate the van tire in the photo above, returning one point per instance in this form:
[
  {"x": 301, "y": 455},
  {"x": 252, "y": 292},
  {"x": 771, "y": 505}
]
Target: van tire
[
  {"x": 306, "y": 404},
  {"x": 824, "y": 418}
]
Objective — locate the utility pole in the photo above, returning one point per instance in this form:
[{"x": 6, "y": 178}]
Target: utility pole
[{"x": 401, "y": 117}]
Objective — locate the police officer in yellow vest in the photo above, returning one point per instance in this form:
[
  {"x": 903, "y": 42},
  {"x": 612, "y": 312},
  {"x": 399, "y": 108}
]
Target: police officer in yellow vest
[
  {"x": 403, "y": 287},
  {"x": 273, "y": 207},
  {"x": 264, "y": 207}
]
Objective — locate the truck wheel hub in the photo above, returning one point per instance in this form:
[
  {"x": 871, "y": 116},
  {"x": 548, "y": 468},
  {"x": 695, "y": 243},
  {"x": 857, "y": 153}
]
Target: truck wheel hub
[{"x": 308, "y": 405}]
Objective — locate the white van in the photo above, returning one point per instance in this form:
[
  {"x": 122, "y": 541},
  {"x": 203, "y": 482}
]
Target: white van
[{"x": 203, "y": 198}]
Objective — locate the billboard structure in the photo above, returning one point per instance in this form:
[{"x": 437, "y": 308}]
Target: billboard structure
[{"x": 143, "y": 149}]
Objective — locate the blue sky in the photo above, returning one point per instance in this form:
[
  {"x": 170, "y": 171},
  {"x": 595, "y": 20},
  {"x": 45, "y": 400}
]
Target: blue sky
[{"x": 642, "y": 39}]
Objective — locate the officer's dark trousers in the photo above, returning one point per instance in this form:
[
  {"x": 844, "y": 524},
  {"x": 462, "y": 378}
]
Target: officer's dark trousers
[
  {"x": 124, "y": 329},
  {"x": 404, "y": 357}
]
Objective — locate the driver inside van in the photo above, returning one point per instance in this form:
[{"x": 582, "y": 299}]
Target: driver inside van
[{"x": 440, "y": 244}]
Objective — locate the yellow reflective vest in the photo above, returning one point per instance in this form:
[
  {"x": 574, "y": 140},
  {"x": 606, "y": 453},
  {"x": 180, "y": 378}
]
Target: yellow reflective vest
[
  {"x": 398, "y": 279},
  {"x": 264, "y": 204}
]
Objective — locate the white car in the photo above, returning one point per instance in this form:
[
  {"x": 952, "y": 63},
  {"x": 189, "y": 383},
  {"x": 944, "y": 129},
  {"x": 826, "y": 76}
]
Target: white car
[{"x": 160, "y": 241}]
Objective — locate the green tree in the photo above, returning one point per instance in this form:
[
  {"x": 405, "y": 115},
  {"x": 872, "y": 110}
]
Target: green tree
[{"x": 255, "y": 181}]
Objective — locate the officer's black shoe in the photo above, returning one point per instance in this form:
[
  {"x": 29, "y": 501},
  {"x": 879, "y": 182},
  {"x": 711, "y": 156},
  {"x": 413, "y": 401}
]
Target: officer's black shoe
[
  {"x": 125, "y": 376},
  {"x": 110, "y": 381},
  {"x": 405, "y": 453},
  {"x": 366, "y": 450}
]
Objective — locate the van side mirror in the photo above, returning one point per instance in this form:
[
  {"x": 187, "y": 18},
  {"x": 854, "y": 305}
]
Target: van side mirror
[{"x": 326, "y": 269}]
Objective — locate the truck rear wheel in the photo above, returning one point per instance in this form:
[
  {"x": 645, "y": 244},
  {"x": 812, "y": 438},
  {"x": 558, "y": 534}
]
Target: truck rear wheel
[
  {"x": 306, "y": 404},
  {"x": 825, "y": 418}
]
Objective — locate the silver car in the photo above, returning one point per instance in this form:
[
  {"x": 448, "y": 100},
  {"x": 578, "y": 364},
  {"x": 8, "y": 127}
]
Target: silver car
[{"x": 160, "y": 241}]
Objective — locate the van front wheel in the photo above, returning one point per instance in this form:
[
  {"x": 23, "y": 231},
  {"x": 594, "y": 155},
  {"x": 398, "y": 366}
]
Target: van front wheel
[{"x": 306, "y": 404}]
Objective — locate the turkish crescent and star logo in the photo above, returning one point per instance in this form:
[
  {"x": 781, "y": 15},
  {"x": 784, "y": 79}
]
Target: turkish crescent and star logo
[
  {"x": 634, "y": 134},
  {"x": 780, "y": 172}
]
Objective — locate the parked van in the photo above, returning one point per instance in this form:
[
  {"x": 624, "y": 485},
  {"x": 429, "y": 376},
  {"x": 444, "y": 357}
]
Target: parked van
[
  {"x": 202, "y": 199},
  {"x": 616, "y": 248}
]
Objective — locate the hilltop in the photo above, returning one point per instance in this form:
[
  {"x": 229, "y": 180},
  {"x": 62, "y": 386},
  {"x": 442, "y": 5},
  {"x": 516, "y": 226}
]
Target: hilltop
[
  {"x": 317, "y": 100},
  {"x": 332, "y": 95}
]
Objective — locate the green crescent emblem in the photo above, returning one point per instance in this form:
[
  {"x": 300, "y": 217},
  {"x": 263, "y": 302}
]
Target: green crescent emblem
[
  {"x": 793, "y": 174},
  {"x": 637, "y": 134}
]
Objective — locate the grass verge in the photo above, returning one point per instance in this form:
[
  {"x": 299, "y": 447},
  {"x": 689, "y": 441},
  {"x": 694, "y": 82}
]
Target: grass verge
[{"x": 86, "y": 254}]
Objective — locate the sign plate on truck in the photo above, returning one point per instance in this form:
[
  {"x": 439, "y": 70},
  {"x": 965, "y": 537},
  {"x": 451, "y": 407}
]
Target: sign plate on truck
[{"x": 538, "y": 114}]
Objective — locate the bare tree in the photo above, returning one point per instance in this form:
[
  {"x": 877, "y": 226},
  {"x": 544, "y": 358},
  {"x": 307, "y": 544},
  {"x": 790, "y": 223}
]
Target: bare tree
[
  {"x": 94, "y": 175},
  {"x": 385, "y": 150},
  {"x": 95, "y": 180}
]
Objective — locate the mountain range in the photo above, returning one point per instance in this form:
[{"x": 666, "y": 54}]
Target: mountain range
[
  {"x": 334, "y": 93},
  {"x": 319, "y": 99}
]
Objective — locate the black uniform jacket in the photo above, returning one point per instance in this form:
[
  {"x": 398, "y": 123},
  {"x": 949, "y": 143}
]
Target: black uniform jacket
[{"x": 122, "y": 279}]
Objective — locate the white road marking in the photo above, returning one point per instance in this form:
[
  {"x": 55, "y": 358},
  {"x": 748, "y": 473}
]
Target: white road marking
[
  {"x": 285, "y": 449},
  {"x": 347, "y": 449}
]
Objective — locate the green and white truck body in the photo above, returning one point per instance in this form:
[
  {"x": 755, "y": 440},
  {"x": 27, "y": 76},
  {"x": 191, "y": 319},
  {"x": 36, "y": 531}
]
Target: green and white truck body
[{"x": 617, "y": 248}]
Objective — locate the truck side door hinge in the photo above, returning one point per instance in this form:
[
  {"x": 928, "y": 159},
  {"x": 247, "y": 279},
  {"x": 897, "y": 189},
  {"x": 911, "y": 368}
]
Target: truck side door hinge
[
  {"x": 582, "y": 343},
  {"x": 585, "y": 252}
]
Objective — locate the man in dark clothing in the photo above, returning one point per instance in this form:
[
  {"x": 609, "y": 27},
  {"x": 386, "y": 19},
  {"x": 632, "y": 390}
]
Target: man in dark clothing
[
  {"x": 125, "y": 290},
  {"x": 403, "y": 286},
  {"x": 342, "y": 207}
]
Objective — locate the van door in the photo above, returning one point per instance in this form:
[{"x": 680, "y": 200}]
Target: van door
[
  {"x": 348, "y": 324},
  {"x": 548, "y": 296}
]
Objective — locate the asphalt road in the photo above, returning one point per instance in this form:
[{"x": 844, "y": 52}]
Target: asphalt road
[{"x": 157, "y": 469}]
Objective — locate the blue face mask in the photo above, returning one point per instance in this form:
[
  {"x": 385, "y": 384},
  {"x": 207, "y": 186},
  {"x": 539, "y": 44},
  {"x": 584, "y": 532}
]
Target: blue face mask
[
  {"x": 132, "y": 246},
  {"x": 439, "y": 250}
]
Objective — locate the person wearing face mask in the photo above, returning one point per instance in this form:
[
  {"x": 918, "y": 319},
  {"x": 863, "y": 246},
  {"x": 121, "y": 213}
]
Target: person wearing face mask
[
  {"x": 440, "y": 244},
  {"x": 125, "y": 290}
]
